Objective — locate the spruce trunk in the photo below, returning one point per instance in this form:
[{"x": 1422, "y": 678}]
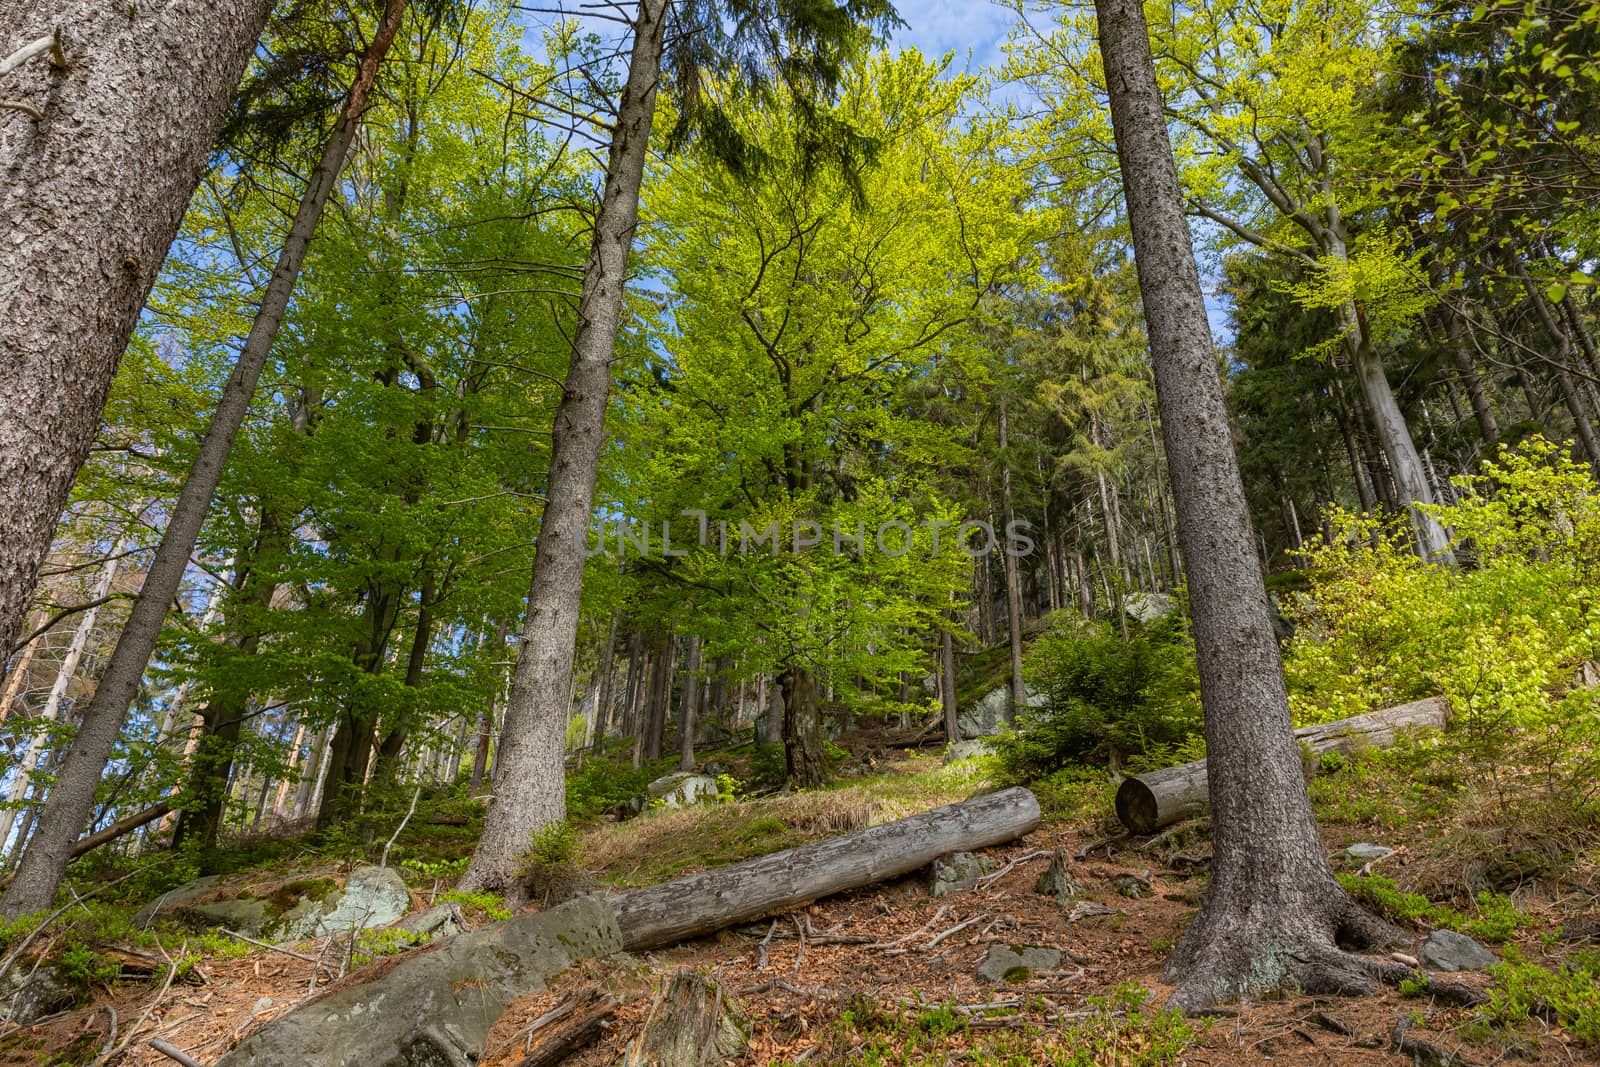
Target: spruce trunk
[
  {"x": 1273, "y": 908},
  {"x": 92, "y": 194},
  {"x": 71, "y": 801}
]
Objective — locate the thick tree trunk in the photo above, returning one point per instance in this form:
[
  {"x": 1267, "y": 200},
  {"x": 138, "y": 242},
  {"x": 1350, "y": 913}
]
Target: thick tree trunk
[
  {"x": 72, "y": 798},
  {"x": 1273, "y": 908},
  {"x": 705, "y": 903},
  {"x": 804, "y": 756},
  {"x": 1147, "y": 802},
  {"x": 529, "y": 789},
  {"x": 92, "y": 194},
  {"x": 1019, "y": 689}
]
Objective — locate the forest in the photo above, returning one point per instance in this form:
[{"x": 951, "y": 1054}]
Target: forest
[{"x": 687, "y": 532}]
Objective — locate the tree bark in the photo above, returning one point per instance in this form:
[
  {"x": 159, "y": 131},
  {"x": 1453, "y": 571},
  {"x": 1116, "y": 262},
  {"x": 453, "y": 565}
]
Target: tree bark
[
  {"x": 72, "y": 798},
  {"x": 804, "y": 756},
  {"x": 1272, "y": 909},
  {"x": 1147, "y": 802},
  {"x": 92, "y": 195},
  {"x": 529, "y": 786}
]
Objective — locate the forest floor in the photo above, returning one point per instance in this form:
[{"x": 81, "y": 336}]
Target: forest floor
[{"x": 886, "y": 975}]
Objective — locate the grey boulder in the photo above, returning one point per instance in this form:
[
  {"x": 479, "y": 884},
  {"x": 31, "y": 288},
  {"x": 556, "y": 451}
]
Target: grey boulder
[
  {"x": 1446, "y": 950},
  {"x": 1016, "y": 963}
]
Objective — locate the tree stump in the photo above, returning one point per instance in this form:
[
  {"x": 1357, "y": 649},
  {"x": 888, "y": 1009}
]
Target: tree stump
[{"x": 691, "y": 1024}]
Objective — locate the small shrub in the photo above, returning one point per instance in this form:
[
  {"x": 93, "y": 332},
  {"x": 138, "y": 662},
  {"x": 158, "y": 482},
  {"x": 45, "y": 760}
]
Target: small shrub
[
  {"x": 1107, "y": 699},
  {"x": 1568, "y": 997},
  {"x": 490, "y": 906}
]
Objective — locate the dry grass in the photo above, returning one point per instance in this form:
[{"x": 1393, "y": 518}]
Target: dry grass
[{"x": 661, "y": 845}]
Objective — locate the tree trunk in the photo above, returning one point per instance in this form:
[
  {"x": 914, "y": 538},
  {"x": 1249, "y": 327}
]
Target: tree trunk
[
  {"x": 72, "y": 799},
  {"x": 52, "y": 711},
  {"x": 603, "y": 699},
  {"x": 712, "y": 900},
  {"x": 528, "y": 779},
  {"x": 92, "y": 194},
  {"x": 947, "y": 685},
  {"x": 658, "y": 701},
  {"x": 689, "y": 710},
  {"x": 1561, "y": 360},
  {"x": 480, "y": 756},
  {"x": 1471, "y": 380},
  {"x": 1272, "y": 909},
  {"x": 804, "y": 756},
  {"x": 1147, "y": 802},
  {"x": 1019, "y": 690},
  {"x": 18, "y": 674}
]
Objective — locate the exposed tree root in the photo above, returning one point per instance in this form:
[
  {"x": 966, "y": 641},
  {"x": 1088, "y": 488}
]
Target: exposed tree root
[{"x": 1251, "y": 950}]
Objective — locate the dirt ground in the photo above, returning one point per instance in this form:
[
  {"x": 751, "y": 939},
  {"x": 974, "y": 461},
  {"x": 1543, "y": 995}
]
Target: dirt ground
[{"x": 886, "y": 952}]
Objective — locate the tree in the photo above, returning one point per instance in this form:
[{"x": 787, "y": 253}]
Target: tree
[
  {"x": 1273, "y": 910},
  {"x": 72, "y": 798},
  {"x": 802, "y": 45},
  {"x": 97, "y": 163}
]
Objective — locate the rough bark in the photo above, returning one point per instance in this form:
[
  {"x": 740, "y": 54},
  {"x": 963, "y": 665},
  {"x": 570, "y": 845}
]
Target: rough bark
[
  {"x": 804, "y": 757},
  {"x": 529, "y": 789},
  {"x": 1272, "y": 909},
  {"x": 92, "y": 194},
  {"x": 1147, "y": 802},
  {"x": 72, "y": 798},
  {"x": 707, "y": 902}
]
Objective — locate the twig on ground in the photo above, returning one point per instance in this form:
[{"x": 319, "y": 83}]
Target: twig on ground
[
  {"x": 957, "y": 928},
  {"x": 1008, "y": 868},
  {"x": 800, "y": 951},
  {"x": 761, "y": 962},
  {"x": 929, "y": 925},
  {"x": 268, "y": 946},
  {"x": 1104, "y": 842},
  {"x": 173, "y": 1053},
  {"x": 172, "y": 972}
]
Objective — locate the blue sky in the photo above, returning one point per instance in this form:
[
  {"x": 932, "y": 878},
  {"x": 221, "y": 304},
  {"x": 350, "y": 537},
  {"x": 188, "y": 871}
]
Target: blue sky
[{"x": 976, "y": 28}]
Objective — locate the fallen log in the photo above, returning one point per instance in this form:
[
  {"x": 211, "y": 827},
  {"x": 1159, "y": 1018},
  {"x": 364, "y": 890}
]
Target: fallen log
[
  {"x": 707, "y": 902},
  {"x": 436, "y": 1006},
  {"x": 1147, "y": 802}
]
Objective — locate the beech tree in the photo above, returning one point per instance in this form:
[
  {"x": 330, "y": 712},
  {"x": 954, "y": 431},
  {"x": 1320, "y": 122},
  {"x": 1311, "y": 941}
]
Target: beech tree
[
  {"x": 1273, "y": 915},
  {"x": 105, "y": 133}
]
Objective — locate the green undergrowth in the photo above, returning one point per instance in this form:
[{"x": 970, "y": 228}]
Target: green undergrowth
[
  {"x": 1120, "y": 1029},
  {"x": 1527, "y": 998},
  {"x": 1494, "y": 919}
]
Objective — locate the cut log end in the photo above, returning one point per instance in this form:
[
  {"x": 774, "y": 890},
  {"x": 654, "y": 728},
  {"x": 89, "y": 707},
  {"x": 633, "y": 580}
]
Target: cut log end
[{"x": 1136, "y": 807}]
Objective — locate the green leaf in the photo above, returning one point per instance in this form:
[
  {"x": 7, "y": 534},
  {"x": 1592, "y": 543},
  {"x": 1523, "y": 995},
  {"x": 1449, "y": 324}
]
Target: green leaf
[{"x": 1556, "y": 293}]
